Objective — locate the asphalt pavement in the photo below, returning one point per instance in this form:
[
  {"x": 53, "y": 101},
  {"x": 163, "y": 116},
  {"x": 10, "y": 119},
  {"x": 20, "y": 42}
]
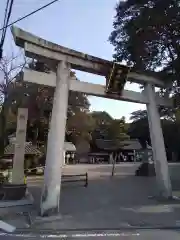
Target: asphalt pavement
[
  {"x": 107, "y": 203},
  {"x": 109, "y": 235}
]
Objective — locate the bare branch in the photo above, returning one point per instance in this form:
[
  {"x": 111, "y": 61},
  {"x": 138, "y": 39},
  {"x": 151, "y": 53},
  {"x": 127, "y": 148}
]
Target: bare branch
[
  {"x": 21, "y": 70},
  {"x": 11, "y": 68}
]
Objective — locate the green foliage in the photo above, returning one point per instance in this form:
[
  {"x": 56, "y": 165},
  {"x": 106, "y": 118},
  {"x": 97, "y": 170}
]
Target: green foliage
[
  {"x": 139, "y": 128},
  {"x": 108, "y": 128},
  {"x": 146, "y": 32},
  {"x": 80, "y": 125},
  {"x": 39, "y": 100},
  {"x": 146, "y": 35},
  {"x": 138, "y": 115},
  {"x": 118, "y": 130}
]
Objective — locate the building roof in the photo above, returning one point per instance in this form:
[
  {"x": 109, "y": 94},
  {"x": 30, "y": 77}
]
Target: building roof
[
  {"x": 131, "y": 144},
  {"x": 29, "y": 149},
  {"x": 69, "y": 146}
]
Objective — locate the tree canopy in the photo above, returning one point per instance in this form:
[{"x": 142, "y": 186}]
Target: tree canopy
[
  {"x": 15, "y": 93},
  {"x": 108, "y": 128},
  {"x": 146, "y": 35},
  {"x": 139, "y": 128}
]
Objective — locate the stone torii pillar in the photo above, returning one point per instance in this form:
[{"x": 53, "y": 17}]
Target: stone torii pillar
[
  {"x": 157, "y": 141},
  {"x": 55, "y": 148}
]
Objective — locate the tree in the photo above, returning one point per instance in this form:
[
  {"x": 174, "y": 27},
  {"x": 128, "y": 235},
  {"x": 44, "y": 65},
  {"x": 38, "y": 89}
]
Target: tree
[
  {"x": 146, "y": 35},
  {"x": 152, "y": 29},
  {"x": 118, "y": 130},
  {"x": 139, "y": 128},
  {"x": 171, "y": 131},
  {"x": 80, "y": 126},
  {"x": 102, "y": 122},
  {"x": 10, "y": 70},
  {"x": 39, "y": 100},
  {"x": 108, "y": 128},
  {"x": 138, "y": 115}
]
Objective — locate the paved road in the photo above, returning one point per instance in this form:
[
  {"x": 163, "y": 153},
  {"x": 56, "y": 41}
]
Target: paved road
[
  {"x": 109, "y": 235},
  {"x": 107, "y": 202}
]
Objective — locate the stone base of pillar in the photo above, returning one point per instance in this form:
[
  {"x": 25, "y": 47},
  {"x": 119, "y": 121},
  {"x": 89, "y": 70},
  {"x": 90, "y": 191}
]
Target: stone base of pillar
[
  {"x": 50, "y": 202},
  {"x": 39, "y": 219}
]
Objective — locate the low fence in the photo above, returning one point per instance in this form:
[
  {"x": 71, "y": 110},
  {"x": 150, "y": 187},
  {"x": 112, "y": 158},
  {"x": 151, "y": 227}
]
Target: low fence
[{"x": 75, "y": 178}]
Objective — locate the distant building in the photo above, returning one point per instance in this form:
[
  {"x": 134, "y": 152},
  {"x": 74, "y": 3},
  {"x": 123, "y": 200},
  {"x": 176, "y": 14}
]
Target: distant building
[
  {"x": 128, "y": 150},
  {"x": 34, "y": 155}
]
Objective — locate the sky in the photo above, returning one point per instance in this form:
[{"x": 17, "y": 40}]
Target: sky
[{"x": 83, "y": 25}]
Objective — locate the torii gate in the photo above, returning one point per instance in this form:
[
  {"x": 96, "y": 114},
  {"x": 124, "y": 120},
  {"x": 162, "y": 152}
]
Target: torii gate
[{"x": 61, "y": 60}]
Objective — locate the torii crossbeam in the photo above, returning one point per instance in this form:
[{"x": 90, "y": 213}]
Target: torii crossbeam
[{"x": 61, "y": 60}]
